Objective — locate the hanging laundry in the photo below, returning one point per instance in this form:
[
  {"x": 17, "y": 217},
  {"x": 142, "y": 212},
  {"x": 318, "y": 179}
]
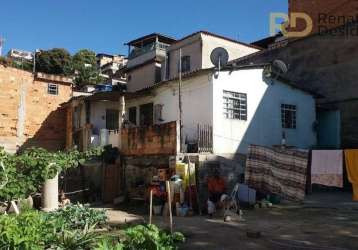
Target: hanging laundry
[
  {"x": 327, "y": 168},
  {"x": 351, "y": 156},
  {"x": 277, "y": 171}
]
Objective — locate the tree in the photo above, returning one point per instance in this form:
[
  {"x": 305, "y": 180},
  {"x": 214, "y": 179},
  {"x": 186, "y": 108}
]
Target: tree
[
  {"x": 54, "y": 61},
  {"x": 84, "y": 66}
]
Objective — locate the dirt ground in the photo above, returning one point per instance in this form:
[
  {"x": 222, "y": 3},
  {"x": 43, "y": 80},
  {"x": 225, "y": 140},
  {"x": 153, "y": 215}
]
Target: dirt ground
[{"x": 328, "y": 221}]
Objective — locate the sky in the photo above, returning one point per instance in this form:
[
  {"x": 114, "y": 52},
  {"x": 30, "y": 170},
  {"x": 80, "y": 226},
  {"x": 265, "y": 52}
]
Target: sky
[{"x": 105, "y": 25}]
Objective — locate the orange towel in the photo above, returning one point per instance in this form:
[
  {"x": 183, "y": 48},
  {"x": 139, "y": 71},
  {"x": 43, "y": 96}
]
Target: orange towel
[{"x": 351, "y": 157}]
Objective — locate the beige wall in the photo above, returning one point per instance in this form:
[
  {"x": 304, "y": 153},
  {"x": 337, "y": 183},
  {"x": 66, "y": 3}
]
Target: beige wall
[
  {"x": 141, "y": 77},
  {"x": 189, "y": 47},
  {"x": 199, "y": 48},
  {"x": 235, "y": 50}
]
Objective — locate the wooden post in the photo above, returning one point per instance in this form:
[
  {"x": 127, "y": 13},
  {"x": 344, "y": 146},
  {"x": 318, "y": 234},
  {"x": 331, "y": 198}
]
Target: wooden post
[
  {"x": 170, "y": 206},
  {"x": 151, "y": 206}
]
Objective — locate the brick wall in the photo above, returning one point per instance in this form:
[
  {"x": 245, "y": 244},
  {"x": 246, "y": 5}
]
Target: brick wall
[
  {"x": 151, "y": 140},
  {"x": 325, "y": 13},
  {"x": 29, "y": 116}
]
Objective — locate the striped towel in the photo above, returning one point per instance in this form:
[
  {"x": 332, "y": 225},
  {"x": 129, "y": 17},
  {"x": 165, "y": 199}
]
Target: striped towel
[{"x": 277, "y": 171}]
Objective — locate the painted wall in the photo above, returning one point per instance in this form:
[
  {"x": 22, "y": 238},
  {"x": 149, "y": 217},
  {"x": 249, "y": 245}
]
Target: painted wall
[
  {"x": 263, "y": 125},
  {"x": 190, "y": 47},
  {"x": 98, "y": 113},
  {"x": 235, "y": 50},
  {"x": 203, "y": 103},
  {"x": 141, "y": 77},
  {"x": 199, "y": 48},
  {"x": 196, "y": 98}
]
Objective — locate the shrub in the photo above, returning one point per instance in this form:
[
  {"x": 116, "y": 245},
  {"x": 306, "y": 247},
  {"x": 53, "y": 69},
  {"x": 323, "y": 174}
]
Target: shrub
[
  {"x": 29, "y": 230},
  {"x": 78, "y": 216},
  {"x": 142, "y": 237}
]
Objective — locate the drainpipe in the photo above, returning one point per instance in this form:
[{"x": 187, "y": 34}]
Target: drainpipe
[{"x": 122, "y": 113}]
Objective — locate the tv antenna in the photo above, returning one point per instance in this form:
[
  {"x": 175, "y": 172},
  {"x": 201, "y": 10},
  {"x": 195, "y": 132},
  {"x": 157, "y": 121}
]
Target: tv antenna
[
  {"x": 2, "y": 41},
  {"x": 219, "y": 57}
]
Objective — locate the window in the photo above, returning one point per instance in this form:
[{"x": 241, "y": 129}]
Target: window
[
  {"x": 112, "y": 119},
  {"x": 288, "y": 116},
  {"x": 235, "y": 105},
  {"x": 52, "y": 89},
  {"x": 132, "y": 113},
  {"x": 146, "y": 114},
  {"x": 185, "y": 64}
]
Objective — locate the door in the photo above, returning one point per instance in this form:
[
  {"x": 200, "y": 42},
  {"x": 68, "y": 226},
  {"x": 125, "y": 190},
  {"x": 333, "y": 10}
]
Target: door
[
  {"x": 329, "y": 128},
  {"x": 146, "y": 114}
]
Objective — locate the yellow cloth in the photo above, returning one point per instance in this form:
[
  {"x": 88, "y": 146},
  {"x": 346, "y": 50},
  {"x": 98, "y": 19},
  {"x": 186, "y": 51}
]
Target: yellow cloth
[{"x": 351, "y": 157}]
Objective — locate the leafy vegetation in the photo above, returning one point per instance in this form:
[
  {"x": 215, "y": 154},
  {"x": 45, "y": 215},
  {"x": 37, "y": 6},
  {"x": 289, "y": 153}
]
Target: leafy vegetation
[
  {"x": 143, "y": 237},
  {"x": 24, "y": 174},
  {"x": 54, "y": 61},
  {"x": 78, "y": 216},
  {"x": 84, "y": 66},
  {"x": 33, "y": 230},
  {"x": 29, "y": 230}
]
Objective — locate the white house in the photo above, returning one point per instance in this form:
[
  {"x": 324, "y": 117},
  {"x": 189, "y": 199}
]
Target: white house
[{"x": 240, "y": 107}]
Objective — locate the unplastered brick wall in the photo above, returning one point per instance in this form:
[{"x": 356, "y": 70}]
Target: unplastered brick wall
[
  {"x": 29, "y": 116},
  {"x": 326, "y": 14},
  {"x": 150, "y": 140}
]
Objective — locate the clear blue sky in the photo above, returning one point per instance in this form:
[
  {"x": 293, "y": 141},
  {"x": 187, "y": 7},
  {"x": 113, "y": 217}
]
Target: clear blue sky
[{"x": 104, "y": 25}]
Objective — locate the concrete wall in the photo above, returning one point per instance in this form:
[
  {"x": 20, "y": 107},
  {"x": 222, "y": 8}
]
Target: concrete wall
[
  {"x": 263, "y": 125},
  {"x": 29, "y": 116},
  {"x": 192, "y": 47},
  {"x": 235, "y": 50},
  {"x": 199, "y": 48},
  {"x": 98, "y": 113},
  {"x": 141, "y": 77},
  {"x": 197, "y": 103}
]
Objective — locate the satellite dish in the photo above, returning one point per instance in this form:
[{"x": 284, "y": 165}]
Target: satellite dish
[
  {"x": 219, "y": 57},
  {"x": 279, "y": 67}
]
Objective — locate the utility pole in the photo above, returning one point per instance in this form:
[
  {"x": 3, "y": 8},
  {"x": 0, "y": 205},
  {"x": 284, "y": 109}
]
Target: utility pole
[{"x": 180, "y": 103}]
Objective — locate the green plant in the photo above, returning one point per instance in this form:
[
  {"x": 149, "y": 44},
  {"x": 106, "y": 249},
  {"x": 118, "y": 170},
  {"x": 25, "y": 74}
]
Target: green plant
[
  {"x": 75, "y": 239},
  {"x": 25, "y": 173},
  {"x": 78, "y": 216},
  {"x": 84, "y": 66},
  {"x": 150, "y": 237},
  {"x": 110, "y": 243},
  {"x": 29, "y": 230},
  {"x": 54, "y": 61}
]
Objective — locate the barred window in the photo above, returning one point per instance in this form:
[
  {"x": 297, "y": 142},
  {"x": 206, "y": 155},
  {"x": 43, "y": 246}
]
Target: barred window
[
  {"x": 288, "y": 116},
  {"x": 235, "y": 105},
  {"x": 52, "y": 89},
  {"x": 112, "y": 119}
]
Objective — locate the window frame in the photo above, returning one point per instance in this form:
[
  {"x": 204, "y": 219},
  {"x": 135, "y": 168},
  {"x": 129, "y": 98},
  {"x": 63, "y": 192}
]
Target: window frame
[
  {"x": 50, "y": 87},
  {"x": 288, "y": 111},
  {"x": 235, "y": 113}
]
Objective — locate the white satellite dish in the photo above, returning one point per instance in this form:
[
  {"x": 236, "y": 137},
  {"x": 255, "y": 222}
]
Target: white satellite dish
[{"x": 219, "y": 57}]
